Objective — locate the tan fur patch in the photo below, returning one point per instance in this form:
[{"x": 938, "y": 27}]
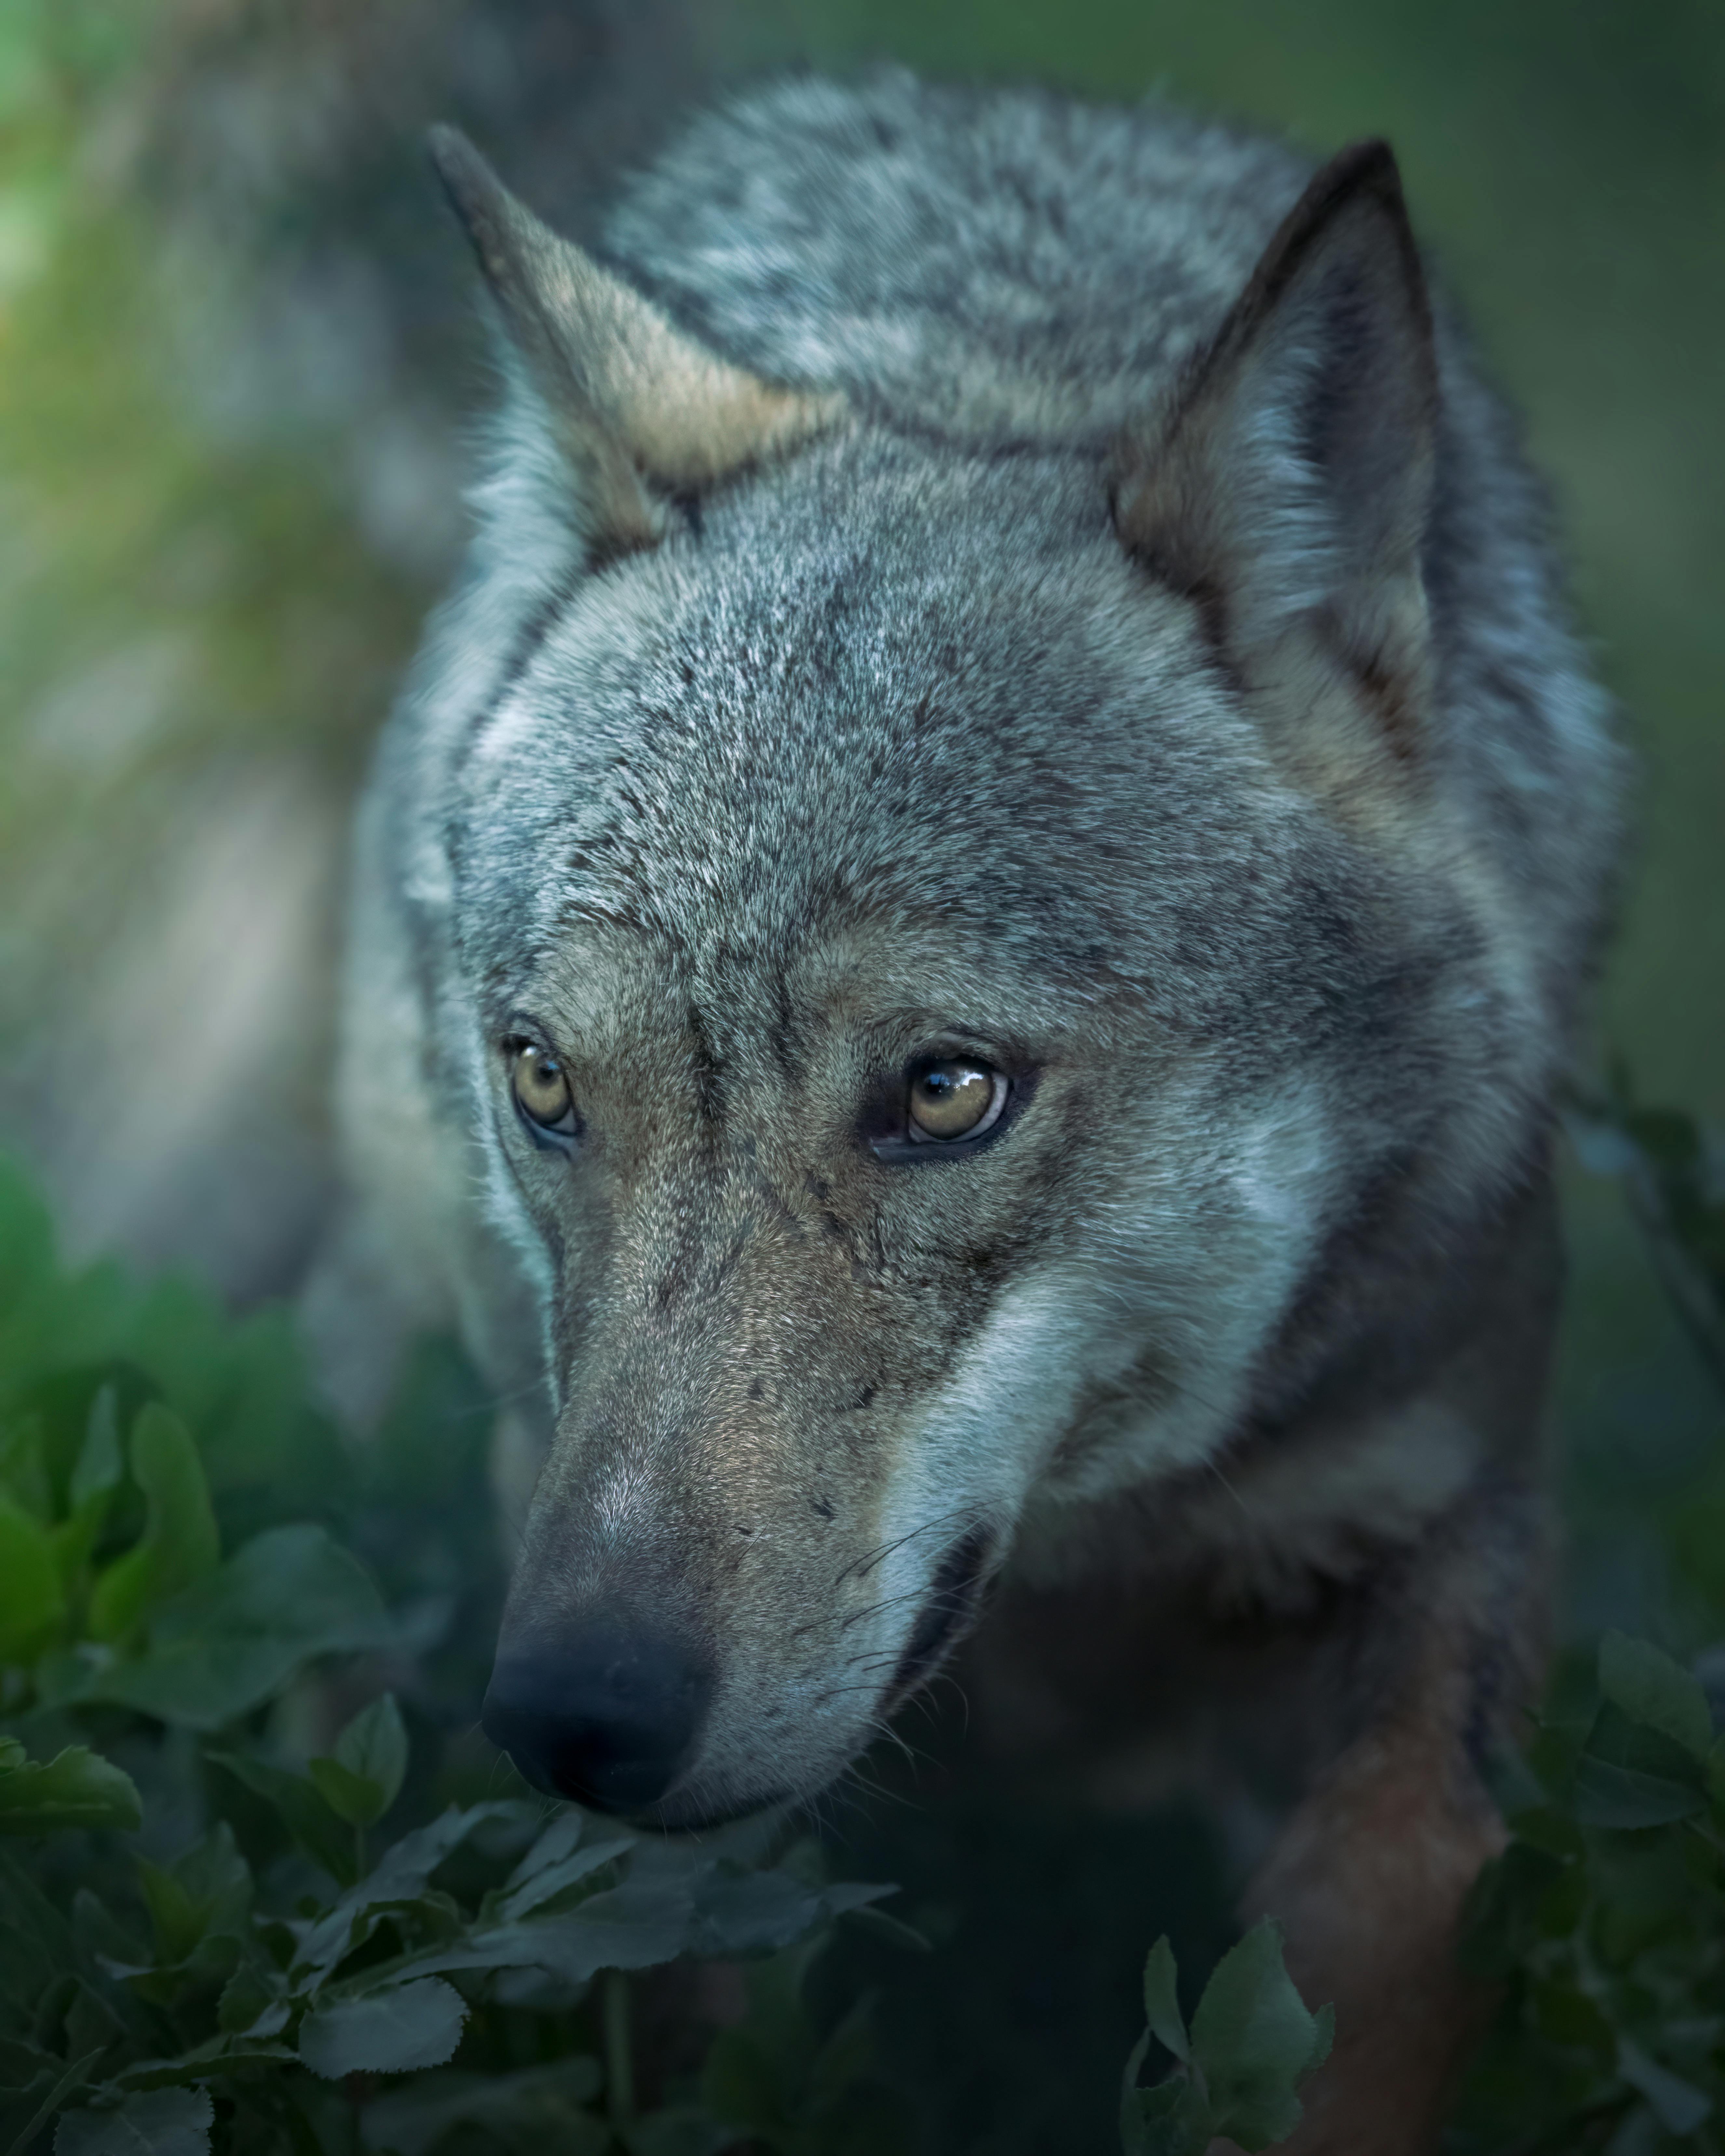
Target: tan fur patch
[{"x": 631, "y": 398}]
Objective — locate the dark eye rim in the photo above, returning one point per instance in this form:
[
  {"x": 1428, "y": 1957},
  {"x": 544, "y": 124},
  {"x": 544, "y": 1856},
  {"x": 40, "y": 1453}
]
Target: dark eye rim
[
  {"x": 897, "y": 1148},
  {"x": 558, "y": 1137}
]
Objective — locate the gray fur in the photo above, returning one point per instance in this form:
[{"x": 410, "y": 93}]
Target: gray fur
[{"x": 890, "y": 742}]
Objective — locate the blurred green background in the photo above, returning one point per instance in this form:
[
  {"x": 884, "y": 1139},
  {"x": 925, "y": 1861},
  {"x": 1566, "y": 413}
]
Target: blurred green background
[{"x": 236, "y": 350}]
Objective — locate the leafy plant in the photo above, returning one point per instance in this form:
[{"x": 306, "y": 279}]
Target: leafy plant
[
  {"x": 1237, "y": 2071},
  {"x": 791, "y": 2088},
  {"x": 339, "y": 1952},
  {"x": 1601, "y": 1928},
  {"x": 1603, "y": 1923},
  {"x": 1675, "y": 1182},
  {"x": 489, "y": 1912}
]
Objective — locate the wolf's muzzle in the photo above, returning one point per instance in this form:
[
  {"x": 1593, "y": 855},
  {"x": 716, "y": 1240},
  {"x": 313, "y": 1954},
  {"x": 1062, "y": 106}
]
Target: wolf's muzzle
[{"x": 607, "y": 1721}]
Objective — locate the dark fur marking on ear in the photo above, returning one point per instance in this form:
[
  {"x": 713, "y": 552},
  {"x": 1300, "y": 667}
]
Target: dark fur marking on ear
[
  {"x": 1395, "y": 706},
  {"x": 1288, "y": 481}
]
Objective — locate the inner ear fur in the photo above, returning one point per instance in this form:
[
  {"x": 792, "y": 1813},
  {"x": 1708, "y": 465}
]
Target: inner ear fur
[
  {"x": 1285, "y": 485},
  {"x": 639, "y": 410}
]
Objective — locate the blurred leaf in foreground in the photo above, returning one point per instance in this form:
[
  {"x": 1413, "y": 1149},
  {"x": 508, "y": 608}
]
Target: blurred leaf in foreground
[{"x": 1237, "y": 2072}]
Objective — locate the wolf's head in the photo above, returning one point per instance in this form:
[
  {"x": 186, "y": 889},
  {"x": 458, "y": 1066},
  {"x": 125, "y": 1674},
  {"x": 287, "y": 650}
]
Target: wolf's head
[{"x": 949, "y": 938}]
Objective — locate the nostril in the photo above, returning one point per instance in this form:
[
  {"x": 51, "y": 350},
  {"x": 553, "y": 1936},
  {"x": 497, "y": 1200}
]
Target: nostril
[{"x": 607, "y": 1720}]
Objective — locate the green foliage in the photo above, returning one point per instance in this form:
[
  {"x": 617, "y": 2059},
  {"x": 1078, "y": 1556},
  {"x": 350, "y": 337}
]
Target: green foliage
[
  {"x": 349, "y": 1951},
  {"x": 112, "y": 1587},
  {"x": 74, "y": 1788},
  {"x": 363, "y": 1778},
  {"x": 1674, "y": 1183},
  {"x": 1238, "y": 2071},
  {"x": 180, "y": 1544},
  {"x": 790, "y": 2089},
  {"x": 1601, "y": 1928},
  {"x": 1603, "y": 1923}
]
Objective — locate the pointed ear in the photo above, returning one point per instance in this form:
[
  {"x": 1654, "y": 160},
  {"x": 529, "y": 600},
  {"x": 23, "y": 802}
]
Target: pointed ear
[
  {"x": 640, "y": 411},
  {"x": 1286, "y": 486}
]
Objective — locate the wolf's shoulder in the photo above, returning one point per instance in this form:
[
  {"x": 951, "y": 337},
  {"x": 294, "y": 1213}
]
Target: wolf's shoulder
[{"x": 984, "y": 262}]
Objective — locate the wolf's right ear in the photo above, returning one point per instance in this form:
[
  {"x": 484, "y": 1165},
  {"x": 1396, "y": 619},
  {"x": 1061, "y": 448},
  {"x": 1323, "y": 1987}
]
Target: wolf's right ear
[
  {"x": 639, "y": 410},
  {"x": 1286, "y": 486}
]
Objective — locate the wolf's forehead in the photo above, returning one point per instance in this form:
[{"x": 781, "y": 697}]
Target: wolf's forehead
[{"x": 902, "y": 703}]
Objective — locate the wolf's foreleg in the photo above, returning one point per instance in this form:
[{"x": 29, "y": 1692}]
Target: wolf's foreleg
[{"x": 1368, "y": 1876}]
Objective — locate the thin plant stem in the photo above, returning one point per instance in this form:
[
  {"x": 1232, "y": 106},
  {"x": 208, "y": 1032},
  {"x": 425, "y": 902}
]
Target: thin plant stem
[{"x": 619, "y": 2062}]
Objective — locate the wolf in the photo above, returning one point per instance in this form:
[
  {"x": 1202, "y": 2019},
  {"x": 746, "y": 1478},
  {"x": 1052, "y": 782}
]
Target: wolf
[{"x": 961, "y": 949}]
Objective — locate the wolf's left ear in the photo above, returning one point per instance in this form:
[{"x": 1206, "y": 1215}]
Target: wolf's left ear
[
  {"x": 1286, "y": 486},
  {"x": 640, "y": 411}
]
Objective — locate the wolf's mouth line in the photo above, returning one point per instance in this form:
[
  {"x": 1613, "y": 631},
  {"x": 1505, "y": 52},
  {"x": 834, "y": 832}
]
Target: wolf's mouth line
[{"x": 952, "y": 1602}]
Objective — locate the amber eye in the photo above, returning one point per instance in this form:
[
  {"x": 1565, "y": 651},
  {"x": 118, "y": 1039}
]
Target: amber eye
[
  {"x": 541, "y": 1088},
  {"x": 955, "y": 1099}
]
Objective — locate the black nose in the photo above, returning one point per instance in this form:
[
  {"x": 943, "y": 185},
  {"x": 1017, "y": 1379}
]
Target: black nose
[{"x": 607, "y": 1720}]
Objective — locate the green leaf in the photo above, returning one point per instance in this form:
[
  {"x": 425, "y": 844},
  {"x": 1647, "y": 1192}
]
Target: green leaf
[
  {"x": 892, "y": 1931},
  {"x": 99, "y": 1468},
  {"x": 354, "y": 1798},
  {"x": 1715, "y": 1774},
  {"x": 1172, "y": 2119},
  {"x": 741, "y": 1912},
  {"x": 91, "y": 2021},
  {"x": 26, "y": 1236},
  {"x": 350, "y": 1797},
  {"x": 207, "y": 1894},
  {"x": 375, "y": 1744},
  {"x": 1131, "y": 2114},
  {"x": 364, "y": 1777},
  {"x": 33, "y": 1601},
  {"x": 742, "y": 2087},
  {"x": 841, "y": 2064},
  {"x": 687, "y": 2129},
  {"x": 96, "y": 1476},
  {"x": 243, "y": 2054},
  {"x": 1254, "y": 2041},
  {"x": 24, "y": 1471},
  {"x": 633, "y": 1926},
  {"x": 234, "y": 1640},
  {"x": 1632, "y": 1774},
  {"x": 72, "y": 2077},
  {"x": 554, "y": 1863},
  {"x": 1648, "y": 1686},
  {"x": 34, "y": 1934},
  {"x": 1678, "y": 2105},
  {"x": 1161, "y": 2000},
  {"x": 326, "y": 1838},
  {"x": 539, "y": 2106},
  {"x": 398, "y": 1878},
  {"x": 392, "y": 2031},
  {"x": 180, "y": 1544},
  {"x": 75, "y": 1789},
  {"x": 169, "y": 2122},
  {"x": 1563, "y": 2012},
  {"x": 253, "y": 2002}
]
